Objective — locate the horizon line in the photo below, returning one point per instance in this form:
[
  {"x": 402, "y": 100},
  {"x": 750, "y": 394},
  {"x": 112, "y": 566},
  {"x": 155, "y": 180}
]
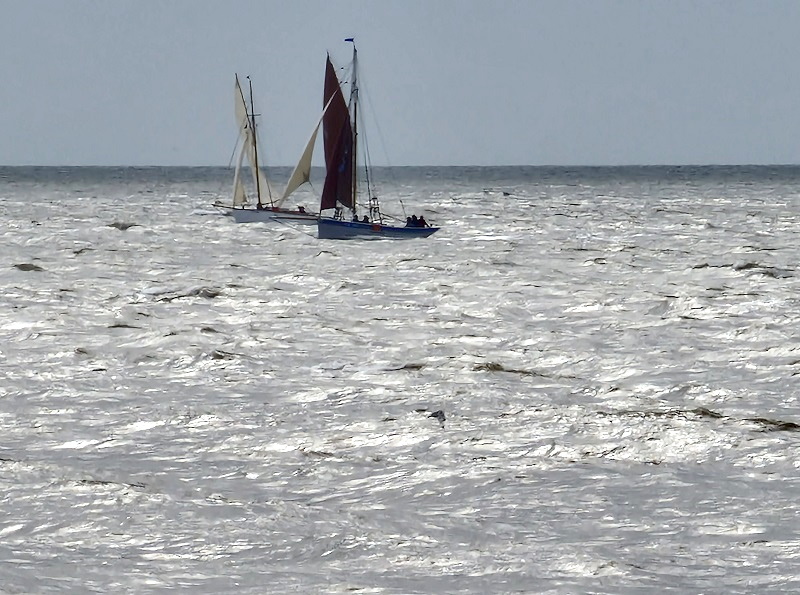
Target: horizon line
[{"x": 551, "y": 165}]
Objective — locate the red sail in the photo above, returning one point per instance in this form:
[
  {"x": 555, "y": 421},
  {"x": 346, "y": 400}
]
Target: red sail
[{"x": 338, "y": 140}]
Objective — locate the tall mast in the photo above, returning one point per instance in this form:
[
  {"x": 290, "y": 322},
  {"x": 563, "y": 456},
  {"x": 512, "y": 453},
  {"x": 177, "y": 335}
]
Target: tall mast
[
  {"x": 255, "y": 142},
  {"x": 354, "y": 103}
]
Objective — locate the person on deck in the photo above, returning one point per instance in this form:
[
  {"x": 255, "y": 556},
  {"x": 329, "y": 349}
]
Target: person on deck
[
  {"x": 365, "y": 219},
  {"x": 408, "y": 222},
  {"x": 421, "y": 221}
]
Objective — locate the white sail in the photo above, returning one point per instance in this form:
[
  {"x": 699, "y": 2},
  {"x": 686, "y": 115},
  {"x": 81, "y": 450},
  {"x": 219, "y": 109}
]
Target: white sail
[
  {"x": 239, "y": 195},
  {"x": 302, "y": 171},
  {"x": 242, "y": 119},
  {"x": 262, "y": 183},
  {"x": 245, "y": 126}
]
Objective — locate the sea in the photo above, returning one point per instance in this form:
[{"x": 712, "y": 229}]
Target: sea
[{"x": 587, "y": 381}]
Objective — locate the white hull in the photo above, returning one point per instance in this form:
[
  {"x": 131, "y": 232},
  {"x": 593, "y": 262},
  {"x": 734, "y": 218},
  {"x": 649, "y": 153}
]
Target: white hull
[{"x": 266, "y": 216}]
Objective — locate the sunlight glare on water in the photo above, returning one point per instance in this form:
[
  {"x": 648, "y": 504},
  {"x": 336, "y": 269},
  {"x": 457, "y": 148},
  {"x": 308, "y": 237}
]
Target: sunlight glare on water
[{"x": 587, "y": 381}]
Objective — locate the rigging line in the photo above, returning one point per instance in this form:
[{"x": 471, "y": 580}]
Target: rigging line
[
  {"x": 233, "y": 153},
  {"x": 391, "y": 175},
  {"x": 398, "y": 219},
  {"x": 297, "y": 229},
  {"x": 369, "y": 179},
  {"x": 263, "y": 168},
  {"x": 374, "y": 115},
  {"x": 367, "y": 159},
  {"x": 403, "y": 206},
  {"x": 347, "y": 72}
]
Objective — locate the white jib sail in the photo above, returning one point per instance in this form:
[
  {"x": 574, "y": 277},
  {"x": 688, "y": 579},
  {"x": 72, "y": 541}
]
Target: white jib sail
[
  {"x": 302, "y": 171},
  {"x": 239, "y": 195}
]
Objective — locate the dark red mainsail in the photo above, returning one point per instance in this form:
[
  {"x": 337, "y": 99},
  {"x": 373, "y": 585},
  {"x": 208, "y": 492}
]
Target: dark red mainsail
[{"x": 338, "y": 140}]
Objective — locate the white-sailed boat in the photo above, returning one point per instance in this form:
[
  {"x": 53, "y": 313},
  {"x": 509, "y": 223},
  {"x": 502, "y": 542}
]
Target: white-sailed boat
[{"x": 269, "y": 206}]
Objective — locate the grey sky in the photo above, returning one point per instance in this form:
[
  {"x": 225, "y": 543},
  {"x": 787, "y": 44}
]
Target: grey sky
[{"x": 452, "y": 82}]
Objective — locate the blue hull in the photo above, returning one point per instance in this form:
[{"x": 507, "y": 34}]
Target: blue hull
[{"x": 333, "y": 229}]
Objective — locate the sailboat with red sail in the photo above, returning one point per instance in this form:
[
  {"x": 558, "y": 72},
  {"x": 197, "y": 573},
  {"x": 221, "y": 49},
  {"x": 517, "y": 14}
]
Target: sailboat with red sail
[{"x": 343, "y": 187}]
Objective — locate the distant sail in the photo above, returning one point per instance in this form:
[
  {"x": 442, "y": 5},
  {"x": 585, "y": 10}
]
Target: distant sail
[
  {"x": 338, "y": 142},
  {"x": 245, "y": 124},
  {"x": 239, "y": 195},
  {"x": 302, "y": 171},
  {"x": 262, "y": 183},
  {"x": 242, "y": 119}
]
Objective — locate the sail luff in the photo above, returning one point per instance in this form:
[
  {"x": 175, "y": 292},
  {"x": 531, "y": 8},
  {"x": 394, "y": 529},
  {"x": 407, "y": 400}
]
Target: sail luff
[
  {"x": 243, "y": 126},
  {"x": 242, "y": 120}
]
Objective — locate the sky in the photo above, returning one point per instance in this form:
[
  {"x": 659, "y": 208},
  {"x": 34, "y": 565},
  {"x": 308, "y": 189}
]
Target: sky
[{"x": 444, "y": 82}]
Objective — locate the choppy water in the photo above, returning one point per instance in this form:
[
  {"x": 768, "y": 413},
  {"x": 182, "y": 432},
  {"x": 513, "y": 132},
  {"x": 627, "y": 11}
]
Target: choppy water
[{"x": 189, "y": 404}]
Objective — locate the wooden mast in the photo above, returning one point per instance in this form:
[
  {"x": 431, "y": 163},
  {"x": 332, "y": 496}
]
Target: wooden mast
[
  {"x": 354, "y": 101},
  {"x": 255, "y": 144}
]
